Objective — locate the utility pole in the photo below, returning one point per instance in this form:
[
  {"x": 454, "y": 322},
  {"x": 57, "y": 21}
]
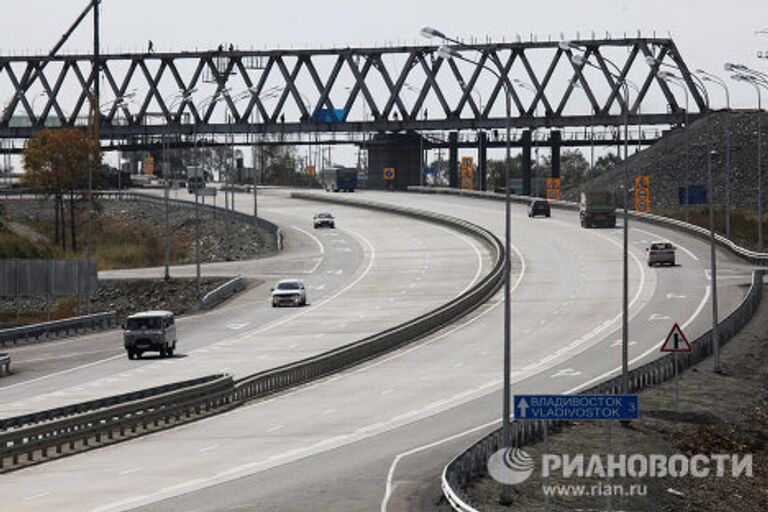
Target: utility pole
[
  {"x": 167, "y": 178},
  {"x": 92, "y": 154}
]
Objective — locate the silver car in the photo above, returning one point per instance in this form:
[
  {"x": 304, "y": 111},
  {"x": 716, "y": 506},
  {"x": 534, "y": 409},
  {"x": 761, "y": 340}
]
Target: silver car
[
  {"x": 150, "y": 331},
  {"x": 324, "y": 220},
  {"x": 661, "y": 253},
  {"x": 289, "y": 292}
]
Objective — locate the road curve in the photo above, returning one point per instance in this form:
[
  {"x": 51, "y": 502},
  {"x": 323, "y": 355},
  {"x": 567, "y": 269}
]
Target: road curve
[
  {"x": 373, "y": 272},
  {"x": 377, "y": 437}
]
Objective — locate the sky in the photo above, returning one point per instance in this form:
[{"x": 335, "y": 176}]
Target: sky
[{"x": 707, "y": 32}]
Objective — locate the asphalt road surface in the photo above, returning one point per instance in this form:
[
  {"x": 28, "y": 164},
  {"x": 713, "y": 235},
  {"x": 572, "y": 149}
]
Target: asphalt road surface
[
  {"x": 378, "y": 436},
  {"x": 372, "y": 272}
]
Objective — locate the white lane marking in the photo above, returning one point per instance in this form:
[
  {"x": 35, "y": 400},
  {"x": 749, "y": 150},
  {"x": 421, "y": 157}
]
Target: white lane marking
[
  {"x": 129, "y": 471},
  {"x": 36, "y": 496},
  {"x": 244, "y": 336},
  {"x": 387, "y": 392},
  {"x": 62, "y": 372},
  {"x": 68, "y": 355},
  {"x": 654, "y": 348},
  {"x": 381, "y": 361},
  {"x": 676, "y": 296},
  {"x": 655, "y": 316},
  {"x": 275, "y": 428},
  {"x": 619, "y": 342},
  {"x": 665, "y": 239},
  {"x": 566, "y": 372},
  {"x": 313, "y": 237},
  {"x": 391, "y": 473},
  {"x": 238, "y": 326},
  {"x": 318, "y": 287},
  {"x": 208, "y": 448}
]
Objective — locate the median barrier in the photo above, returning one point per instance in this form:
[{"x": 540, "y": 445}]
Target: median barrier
[{"x": 35, "y": 438}]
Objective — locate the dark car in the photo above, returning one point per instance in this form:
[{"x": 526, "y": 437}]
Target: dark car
[
  {"x": 324, "y": 220},
  {"x": 539, "y": 207}
]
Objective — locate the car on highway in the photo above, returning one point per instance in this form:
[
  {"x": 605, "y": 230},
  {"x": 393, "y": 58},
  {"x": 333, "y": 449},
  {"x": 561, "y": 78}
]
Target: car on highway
[
  {"x": 324, "y": 220},
  {"x": 150, "y": 331},
  {"x": 289, "y": 292},
  {"x": 661, "y": 253},
  {"x": 539, "y": 207}
]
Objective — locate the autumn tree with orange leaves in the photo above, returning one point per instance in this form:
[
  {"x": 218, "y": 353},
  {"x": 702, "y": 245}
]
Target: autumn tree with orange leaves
[{"x": 56, "y": 165}]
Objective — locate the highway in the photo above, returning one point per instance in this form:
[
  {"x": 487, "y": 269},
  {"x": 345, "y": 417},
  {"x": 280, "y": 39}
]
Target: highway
[
  {"x": 377, "y": 436},
  {"x": 367, "y": 275}
]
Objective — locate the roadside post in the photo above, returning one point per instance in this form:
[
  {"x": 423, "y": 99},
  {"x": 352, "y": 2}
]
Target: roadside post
[
  {"x": 548, "y": 408},
  {"x": 676, "y": 342}
]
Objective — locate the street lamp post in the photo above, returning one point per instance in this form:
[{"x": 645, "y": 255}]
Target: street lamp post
[
  {"x": 671, "y": 77},
  {"x": 709, "y": 77},
  {"x": 580, "y": 60},
  {"x": 665, "y": 75},
  {"x": 534, "y": 133},
  {"x": 451, "y": 53},
  {"x": 757, "y": 80}
]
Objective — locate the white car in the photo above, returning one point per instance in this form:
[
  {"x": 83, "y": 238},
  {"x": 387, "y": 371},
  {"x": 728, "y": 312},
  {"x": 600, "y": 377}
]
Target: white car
[
  {"x": 661, "y": 253},
  {"x": 289, "y": 292}
]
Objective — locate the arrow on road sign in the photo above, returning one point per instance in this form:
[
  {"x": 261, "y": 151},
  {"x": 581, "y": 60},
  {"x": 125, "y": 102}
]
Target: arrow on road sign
[
  {"x": 523, "y": 406},
  {"x": 676, "y": 341}
]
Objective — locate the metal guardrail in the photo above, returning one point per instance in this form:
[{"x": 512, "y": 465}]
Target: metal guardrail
[
  {"x": 223, "y": 292},
  {"x": 5, "y": 364},
  {"x": 70, "y": 434},
  {"x": 94, "y": 405},
  {"x": 38, "y": 437},
  {"x": 472, "y": 463},
  {"x": 756, "y": 258},
  {"x": 300, "y": 372},
  {"x": 58, "y": 328}
]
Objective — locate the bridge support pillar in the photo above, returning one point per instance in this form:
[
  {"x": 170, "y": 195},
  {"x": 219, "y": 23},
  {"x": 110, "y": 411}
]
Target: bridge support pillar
[
  {"x": 453, "y": 159},
  {"x": 482, "y": 160},
  {"x": 400, "y": 151},
  {"x": 526, "y": 143},
  {"x": 555, "y": 141}
]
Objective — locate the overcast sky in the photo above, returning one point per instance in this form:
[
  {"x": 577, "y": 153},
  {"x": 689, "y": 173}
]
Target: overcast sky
[{"x": 707, "y": 32}]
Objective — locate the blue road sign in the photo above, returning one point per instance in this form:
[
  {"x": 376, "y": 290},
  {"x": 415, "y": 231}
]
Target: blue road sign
[
  {"x": 697, "y": 194},
  {"x": 576, "y": 407}
]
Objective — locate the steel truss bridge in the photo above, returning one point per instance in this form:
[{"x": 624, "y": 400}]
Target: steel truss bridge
[
  {"x": 344, "y": 91},
  {"x": 382, "y": 99}
]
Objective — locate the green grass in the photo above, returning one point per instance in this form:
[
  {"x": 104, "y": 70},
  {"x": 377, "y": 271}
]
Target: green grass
[
  {"x": 117, "y": 243},
  {"x": 743, "y": 222},
  {"x": 14, "y": 246}
]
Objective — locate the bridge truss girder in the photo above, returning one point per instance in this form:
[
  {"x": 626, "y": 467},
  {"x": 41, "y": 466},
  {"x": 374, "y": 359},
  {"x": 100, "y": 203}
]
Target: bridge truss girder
[{"x": 181, "y": 93}]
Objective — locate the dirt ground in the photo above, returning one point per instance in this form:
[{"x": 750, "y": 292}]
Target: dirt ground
[
  {"x": 716, "y": 414},
  {"x": 130, "y": 234}
]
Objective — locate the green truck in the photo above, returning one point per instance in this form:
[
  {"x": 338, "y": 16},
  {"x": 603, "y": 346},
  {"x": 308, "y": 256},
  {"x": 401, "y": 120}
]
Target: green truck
[{"x": 597, "y": 207}]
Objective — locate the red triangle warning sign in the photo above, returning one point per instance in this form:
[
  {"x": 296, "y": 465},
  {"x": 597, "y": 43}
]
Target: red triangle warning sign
[{"x": 676, "y": 341}]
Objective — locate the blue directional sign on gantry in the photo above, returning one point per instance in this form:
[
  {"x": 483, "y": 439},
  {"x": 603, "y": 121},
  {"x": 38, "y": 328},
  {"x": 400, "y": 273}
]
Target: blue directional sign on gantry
[{"x": 576, "y": 407}]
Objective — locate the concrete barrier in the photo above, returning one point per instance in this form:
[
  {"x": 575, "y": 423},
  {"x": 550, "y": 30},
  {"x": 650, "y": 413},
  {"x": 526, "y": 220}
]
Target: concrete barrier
[
  {"x": 756, "y": 258},
  {"x": 5, "y": 364},
  {"x": 223, "y": 292},
  {"x": 472, "y": 463},
  {"x": 32, "y": 439}
]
